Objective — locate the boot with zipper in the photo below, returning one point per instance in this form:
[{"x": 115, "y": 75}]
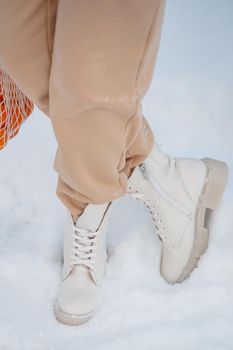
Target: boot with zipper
[
  {"x": 178, "y": 192},
  {"x": 80, "y": 292}
]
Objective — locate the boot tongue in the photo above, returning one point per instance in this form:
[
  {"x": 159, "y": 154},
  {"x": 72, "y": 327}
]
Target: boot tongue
[{"x": 91, "y": 218}]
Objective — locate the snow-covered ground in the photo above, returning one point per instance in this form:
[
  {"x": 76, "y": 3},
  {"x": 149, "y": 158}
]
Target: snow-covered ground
[{"x": 190, "y": 107}]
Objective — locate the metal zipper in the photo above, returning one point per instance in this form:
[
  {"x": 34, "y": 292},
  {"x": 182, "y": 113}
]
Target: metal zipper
[{"x": 146, "y": 174}]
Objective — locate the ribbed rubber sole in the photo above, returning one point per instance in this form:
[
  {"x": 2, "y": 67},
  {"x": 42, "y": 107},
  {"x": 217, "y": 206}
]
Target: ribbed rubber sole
[
  {"x": 71, "y": 319},
  {"x": 213, "y": 189}
]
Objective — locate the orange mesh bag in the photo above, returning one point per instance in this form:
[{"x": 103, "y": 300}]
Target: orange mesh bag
[{"x": 15, "y": 108}]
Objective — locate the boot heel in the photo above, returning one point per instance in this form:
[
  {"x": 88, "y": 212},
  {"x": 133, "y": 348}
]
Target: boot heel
[{"x": 218, "y": 176}]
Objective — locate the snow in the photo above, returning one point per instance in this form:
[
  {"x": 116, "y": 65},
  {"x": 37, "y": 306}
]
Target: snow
[{"x": 190, "y": 108}]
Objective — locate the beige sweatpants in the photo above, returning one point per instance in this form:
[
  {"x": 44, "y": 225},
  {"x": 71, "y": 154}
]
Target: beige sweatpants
[{"x": 87, "y": 65}]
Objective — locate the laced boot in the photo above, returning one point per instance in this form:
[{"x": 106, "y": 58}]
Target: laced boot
[
  {"x": 80, "y": 292},
  {"x": 178, "y": 191}
]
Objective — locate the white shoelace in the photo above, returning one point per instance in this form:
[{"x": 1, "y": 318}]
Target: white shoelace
[
  {"x": 156, "y": 215},
  {"x": 84, "y": 243}
]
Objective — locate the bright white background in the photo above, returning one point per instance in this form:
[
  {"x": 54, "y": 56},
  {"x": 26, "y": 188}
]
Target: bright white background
[{"x": 190, "y": 107}]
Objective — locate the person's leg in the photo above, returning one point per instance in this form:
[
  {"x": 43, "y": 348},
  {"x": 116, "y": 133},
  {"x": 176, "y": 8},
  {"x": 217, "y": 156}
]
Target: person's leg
[
  {"x": 103, "y": 59},
  {"x": 106, "y": 70},
  {"x": 102, "y": 65},
  {"x": 26, "y": 50}
]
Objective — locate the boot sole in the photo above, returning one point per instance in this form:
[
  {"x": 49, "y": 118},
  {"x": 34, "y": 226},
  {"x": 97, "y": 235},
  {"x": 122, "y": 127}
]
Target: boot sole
[
  {"x": 71, "y": 319},
  {"x": 211, "y": 195}
]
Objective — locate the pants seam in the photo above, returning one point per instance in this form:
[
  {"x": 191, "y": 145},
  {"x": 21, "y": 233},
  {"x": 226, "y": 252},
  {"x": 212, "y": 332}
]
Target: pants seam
[
  {"x": 137, "y": 92},
  {"x": 47, "y": 31}
]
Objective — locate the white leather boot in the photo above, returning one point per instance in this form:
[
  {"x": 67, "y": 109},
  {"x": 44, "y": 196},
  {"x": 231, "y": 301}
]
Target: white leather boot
[
  {"x": 177, "y": 192},
  {"x": 80, "y": 292}
]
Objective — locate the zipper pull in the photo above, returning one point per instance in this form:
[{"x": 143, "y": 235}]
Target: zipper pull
[{"x": 144, "y": 171}]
